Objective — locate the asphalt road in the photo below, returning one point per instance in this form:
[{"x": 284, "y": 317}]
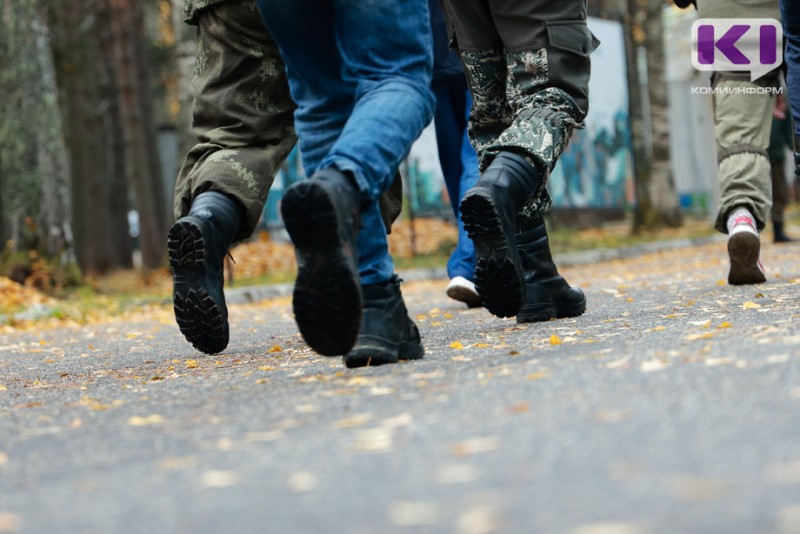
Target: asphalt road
[{"x": 672, "y": 405}]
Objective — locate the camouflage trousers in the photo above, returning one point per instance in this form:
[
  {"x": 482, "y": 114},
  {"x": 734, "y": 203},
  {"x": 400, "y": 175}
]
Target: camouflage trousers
[
  {"x": 528, "y": 68},
  {"x": 742, "y": 126},
  {"x": 242, "y": 112}
]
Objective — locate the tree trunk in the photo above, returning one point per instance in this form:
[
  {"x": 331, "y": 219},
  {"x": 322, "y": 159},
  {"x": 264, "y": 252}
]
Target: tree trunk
[
  {"x": 79, "y": 64},
  {"x": 31, "y": 137},
  {"x": 118, "y": 185},
  {"x": 664, "y": 194},
  {"x": 185, "y": 48},
  {"x": 127, "y": 24},
  {"x": 657, "y": 200}
]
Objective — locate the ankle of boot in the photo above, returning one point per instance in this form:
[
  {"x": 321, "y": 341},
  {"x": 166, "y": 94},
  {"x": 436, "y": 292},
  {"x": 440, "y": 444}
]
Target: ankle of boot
[{"x": 225, "y": 212}]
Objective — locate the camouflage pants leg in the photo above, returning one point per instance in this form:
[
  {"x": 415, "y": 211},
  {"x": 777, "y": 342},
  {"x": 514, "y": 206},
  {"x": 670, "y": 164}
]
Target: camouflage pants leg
[
  {"x": 243, "y": 113},
  {"x": 528, "y": 67}
]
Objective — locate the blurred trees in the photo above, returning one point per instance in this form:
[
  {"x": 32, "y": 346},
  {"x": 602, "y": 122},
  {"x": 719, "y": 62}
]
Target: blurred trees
[
  {"x": 78, "y": 132},
  {"x": 34, "y": 195}
]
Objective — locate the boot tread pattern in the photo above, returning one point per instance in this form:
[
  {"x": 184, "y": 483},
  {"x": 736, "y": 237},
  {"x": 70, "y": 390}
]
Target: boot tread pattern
[
  {"x": 327, "y": 295},
  {"x": 198, "y": 316},
  {"x": 498, "y": 277}
]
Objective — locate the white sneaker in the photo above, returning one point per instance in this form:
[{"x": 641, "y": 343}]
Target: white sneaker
[{"x": 463, "y": 290}]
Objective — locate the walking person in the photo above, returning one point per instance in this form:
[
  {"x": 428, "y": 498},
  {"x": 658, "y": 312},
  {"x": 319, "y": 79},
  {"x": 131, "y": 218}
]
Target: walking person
[
  {"x": 528, "y": 67},
  {"x": 458, "y": 159},
  {"x": 742, "y": 123},
  {"x": 360, "y": 73}
]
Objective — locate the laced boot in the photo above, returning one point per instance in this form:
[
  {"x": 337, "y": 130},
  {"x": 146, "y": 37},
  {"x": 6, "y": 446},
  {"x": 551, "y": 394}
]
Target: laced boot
[
  {"x": 197, "y": 244},
  {"x": 322, "y": 217},
  {"x": 387, "y": 333},
  {"x": 489, "y": 211},
  {"x": 547, "y": 294}
]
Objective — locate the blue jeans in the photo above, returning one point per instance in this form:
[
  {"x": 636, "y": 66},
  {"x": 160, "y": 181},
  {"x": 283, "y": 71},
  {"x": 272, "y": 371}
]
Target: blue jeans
[
  {"x": 790, "y": 14},
  {"x": 359, "y": 72},
  {"x": 458, "y": 160}
]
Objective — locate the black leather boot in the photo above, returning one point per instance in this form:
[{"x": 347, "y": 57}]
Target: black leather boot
[
  {"x": 489, "y": 211},
  {"x": 197, "y": 244},
  {"x": 387, "y": 333},
  {"x": 547, "y": 294},
  {"x": 780, "y": 233},
  {"x": 323, "y": 217}
]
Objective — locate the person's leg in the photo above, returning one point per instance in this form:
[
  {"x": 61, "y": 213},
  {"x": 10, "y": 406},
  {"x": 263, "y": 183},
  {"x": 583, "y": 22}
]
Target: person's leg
[
  {"x": 519, "y": 126},
  {"x": 742, "y": 127},
  {"x": 780, "y": 197},
  {"x": 243, "y": 122},
  {"x": 377, "y": 60},
  {"x": 242, "y": 113},
  {"x": 459, "y": 164},
  {"x": 790, "y": 16},
  {"x": 362, "y": 101},
  {"x": 458, "y": 160}
]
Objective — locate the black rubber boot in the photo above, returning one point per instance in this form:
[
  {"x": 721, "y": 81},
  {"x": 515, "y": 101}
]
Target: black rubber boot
[
  {"x": 323, "y": 218},
  {"x": 197, "y": 244},
  {"x": 387, "y": 333},
  {"x": 489, "y": 211},
  {"x": 547, "y": 294},
  {"x": 780, "y": 233}
]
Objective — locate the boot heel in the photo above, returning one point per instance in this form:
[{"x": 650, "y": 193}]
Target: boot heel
[{"x": 499, "y": 278}]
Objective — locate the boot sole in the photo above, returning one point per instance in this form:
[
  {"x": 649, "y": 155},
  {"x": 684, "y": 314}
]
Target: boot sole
[
  {"x": 375, "y": 353},
  {"x": 744, "y": 249},
  {"x": 536, "y": 314},
  {"x": 498, "y": 270},
  {"x": 327, "y": 294},
  {"x": 199, "y": 317}
]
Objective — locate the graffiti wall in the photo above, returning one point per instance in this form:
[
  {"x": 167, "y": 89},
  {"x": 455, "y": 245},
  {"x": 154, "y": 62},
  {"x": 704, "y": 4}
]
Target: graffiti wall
[{"x": 596, "y": 169}]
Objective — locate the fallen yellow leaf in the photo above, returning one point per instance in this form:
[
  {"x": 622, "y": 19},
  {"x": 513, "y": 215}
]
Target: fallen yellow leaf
[
  {"x": 456, "y": 345},
  {"x": 555, "y": 340},
  {"x": 276, "y": 348},
  {"x": 3, "y": 388},
  {"x": 724, "y": 324},
  {"x": 153, "y": 419},
  {"x": 536, "y": 376},
  {"x": 191, "y": 364},
  {"x": 705, "y": 335},
  {"x": 749, "y": 305}
]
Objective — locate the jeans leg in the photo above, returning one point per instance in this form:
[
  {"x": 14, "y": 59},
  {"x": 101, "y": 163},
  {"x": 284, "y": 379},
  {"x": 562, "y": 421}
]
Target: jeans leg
[
  {"x": 360, "y": 74},
  {"x": 458, "y": 160}
]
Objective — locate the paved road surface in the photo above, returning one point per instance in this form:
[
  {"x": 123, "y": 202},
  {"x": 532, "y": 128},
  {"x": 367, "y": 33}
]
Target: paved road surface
[{"x": 673, "y": 405}]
